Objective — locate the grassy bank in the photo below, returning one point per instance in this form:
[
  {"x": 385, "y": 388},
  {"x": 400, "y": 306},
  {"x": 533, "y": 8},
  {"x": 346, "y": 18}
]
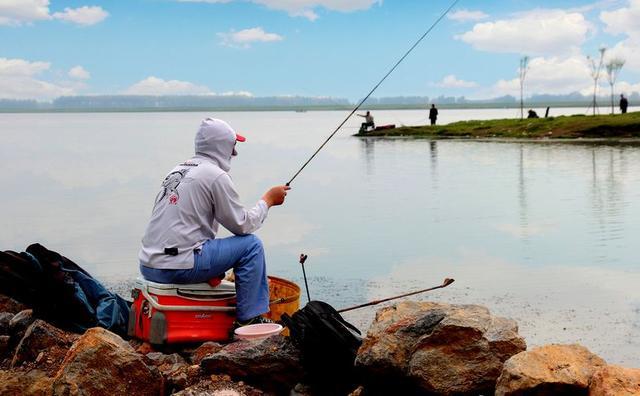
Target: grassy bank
[{"x": 563, "y": 127}]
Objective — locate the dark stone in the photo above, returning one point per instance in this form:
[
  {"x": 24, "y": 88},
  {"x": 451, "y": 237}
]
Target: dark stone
[
  {"x": 43, "y": 337},
  {"x": 425, "y": 324},
  {"x": 160, "y": 359},
  {"x": 19, "y": 324},
  {"x": 5, "y": 319},
  {"x": 272, "y": 364},
  {"x": 4, "y": 345}
]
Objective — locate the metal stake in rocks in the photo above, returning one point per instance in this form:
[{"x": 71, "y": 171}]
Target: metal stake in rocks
[{"x": 303, "y": 258}]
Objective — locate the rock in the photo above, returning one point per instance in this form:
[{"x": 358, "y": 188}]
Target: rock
[
  {"x": 271, "y": 364},
  {"x": 101, "y": 363},
  {"x": 549, "y": 370},
  {"x": 20, "y": 322},
  {"x": 8, "y": 304},
  {"x": 220, "y": 385},
  {"x": 4, "y": 345},
  {"x": 437, "y": 348},
  {"x": 41, "y": 337},
  {"x": 175, "y": 370},
  {"x": 141, "y": 346},
  {"x": 5, "y": 319},
  {"x": 301, "y": 390},
  {"x": 25, "y": 383},
  {"x": 160, "y": 359},
  {"x": 615, "y": 381},
  {"x": 208, "y": 348}
]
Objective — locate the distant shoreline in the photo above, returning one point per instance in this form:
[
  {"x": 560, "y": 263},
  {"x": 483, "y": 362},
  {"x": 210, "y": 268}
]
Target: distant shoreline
[
  {"x": 562, "y": 128},
  {"x": 301, "y": 109}
]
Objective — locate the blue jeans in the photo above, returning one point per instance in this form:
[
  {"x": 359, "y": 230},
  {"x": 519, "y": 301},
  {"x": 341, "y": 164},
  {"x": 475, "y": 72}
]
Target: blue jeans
[{"x": 244, "y": 254}]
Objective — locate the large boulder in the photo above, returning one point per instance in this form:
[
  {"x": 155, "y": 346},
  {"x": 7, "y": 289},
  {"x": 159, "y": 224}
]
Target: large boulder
[
  {"x": 426, "y": 347},
  {"x": 271, "y": 364},
  {"x": 102, "y": 363},
  {"x": 25, "y": 383},
  {"x": 615, "y": 381},
  {"x": 45, "y": 343},
  {"x": 553, "y": 370}
]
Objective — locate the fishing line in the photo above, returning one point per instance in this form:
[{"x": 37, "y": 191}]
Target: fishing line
[{"x": 373, "y": 90}]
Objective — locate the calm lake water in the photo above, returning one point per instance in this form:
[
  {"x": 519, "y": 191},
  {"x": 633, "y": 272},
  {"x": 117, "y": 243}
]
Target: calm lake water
[{"x": 540, "y": 232}]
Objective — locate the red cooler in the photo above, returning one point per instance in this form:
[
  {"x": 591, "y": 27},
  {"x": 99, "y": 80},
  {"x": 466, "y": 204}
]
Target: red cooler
[{"x": 168, "y": 313}]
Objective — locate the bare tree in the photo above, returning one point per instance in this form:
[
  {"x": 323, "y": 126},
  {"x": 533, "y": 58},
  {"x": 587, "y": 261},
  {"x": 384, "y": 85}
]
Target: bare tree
[
  {"x": 522, "y": 72},
  {"x": 613, "y": 70},
  {"x": 595, "y": 74}
]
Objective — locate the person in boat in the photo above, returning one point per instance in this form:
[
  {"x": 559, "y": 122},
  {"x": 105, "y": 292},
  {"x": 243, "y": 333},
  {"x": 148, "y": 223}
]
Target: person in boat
[
  {"x": 624, "y": 103},
  {"x": 368, "y": 122},
  {"x": 180, "y": 244},
  {"x": 532, "y": 114},
  {"x": 433, "y": 114}
]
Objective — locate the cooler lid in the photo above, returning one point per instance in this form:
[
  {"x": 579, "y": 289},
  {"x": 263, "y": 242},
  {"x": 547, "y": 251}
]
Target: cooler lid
[{"x": 204, "y": 289}]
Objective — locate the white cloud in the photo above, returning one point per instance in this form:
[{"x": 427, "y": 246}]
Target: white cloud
[
  {"x": 79, "y": 73},
  {"x": 85, "y": 16},
  {"x": 305, "y": 8},
  {"x": 20, "y": 12},
  {"x": 538, "y": 32},
  {"x": 244, "y": 38},
  {"x": 157, "y": 86},
  {"x": 625, "y": 21},
  {"x": 464, "y": 15},
  {"x": 451, "y": 81},
  {"x": 626, "y": 88},
  {"x": 19, "y": 80},
  {"x": 237, "y": 93},
  {"x": 550, "y": 76}
]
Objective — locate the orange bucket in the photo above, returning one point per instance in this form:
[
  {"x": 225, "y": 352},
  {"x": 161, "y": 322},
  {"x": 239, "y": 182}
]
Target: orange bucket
[{"x": 284, "y": 297}]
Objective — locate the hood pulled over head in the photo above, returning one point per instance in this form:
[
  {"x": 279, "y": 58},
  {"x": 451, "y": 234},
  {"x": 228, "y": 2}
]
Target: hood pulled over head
[{"x": 216, "y": 140}]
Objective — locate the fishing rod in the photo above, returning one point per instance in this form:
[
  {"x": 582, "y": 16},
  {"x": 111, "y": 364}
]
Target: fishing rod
[
  {"x": 445, "y": 283},
  {"x": 374, "y": 88}
]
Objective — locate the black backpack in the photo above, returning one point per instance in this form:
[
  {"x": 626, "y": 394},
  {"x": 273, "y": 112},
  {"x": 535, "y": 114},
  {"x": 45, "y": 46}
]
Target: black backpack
[{"x": 328, "y": 343}]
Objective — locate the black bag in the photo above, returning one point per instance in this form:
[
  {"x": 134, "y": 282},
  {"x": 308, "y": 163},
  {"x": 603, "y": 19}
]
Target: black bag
[{"x": 328, "y": 343}]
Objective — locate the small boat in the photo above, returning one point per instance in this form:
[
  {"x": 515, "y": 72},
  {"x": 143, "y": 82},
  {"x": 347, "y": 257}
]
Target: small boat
[{"x": 364, "y": 130}]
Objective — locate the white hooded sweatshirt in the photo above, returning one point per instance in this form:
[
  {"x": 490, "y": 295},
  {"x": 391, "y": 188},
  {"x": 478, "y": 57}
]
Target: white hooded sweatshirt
[{"x": 194, "y": 199}]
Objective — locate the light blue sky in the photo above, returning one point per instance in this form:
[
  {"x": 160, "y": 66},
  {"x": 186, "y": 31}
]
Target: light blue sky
[{"x": 307, "y": 47}]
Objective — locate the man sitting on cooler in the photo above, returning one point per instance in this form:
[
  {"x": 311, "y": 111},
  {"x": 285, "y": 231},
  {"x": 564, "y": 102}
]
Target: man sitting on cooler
[{"x": 197, "y": 195}]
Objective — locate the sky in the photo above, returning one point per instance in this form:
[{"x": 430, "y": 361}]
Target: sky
[{"x": 319, "y": 48}]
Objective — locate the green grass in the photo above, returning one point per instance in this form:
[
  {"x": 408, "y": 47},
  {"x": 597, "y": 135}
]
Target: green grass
[{"x": 563, "y": 127}]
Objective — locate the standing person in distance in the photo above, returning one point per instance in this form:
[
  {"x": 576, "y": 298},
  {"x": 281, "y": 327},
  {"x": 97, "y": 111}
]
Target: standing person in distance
[
  {"x": 196, "y": 197},
  {"x": 624, "y": 103},
  {"x": 433, "y": 114}
]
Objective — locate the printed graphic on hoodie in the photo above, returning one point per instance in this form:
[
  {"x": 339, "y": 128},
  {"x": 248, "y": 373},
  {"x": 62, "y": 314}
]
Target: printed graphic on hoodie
[{"x": 170, "y": 186}]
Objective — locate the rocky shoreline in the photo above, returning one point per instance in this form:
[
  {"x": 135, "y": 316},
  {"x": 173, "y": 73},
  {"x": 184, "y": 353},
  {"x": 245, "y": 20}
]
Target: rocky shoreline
[{"x": 411, "y": 348}]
